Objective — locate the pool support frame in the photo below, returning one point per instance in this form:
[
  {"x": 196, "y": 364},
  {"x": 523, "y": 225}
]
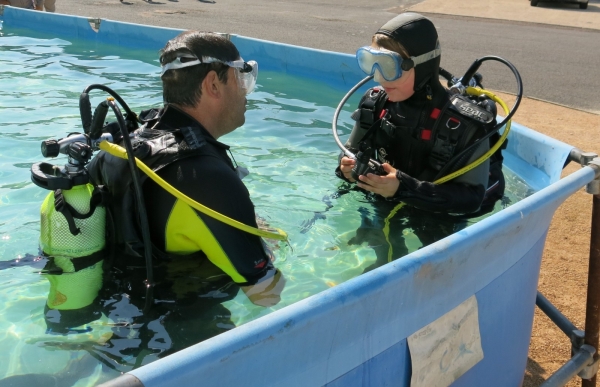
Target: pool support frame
[{"x": 584, "y": 344}]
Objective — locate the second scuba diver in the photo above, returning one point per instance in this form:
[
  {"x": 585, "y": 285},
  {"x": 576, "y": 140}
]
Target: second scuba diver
[{"x": 413, "y": 128}]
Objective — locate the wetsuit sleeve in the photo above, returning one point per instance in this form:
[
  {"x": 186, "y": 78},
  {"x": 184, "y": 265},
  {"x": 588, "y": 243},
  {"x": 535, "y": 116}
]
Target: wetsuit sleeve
[
  {"x": 461, "y": 195},
  {"x": 211, "y": 182}
]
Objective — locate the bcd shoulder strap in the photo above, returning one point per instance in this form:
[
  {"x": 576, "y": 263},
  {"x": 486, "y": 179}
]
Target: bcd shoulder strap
[
  {"x": 370, "y": 111},
  {"x": 369, "y": 107}
]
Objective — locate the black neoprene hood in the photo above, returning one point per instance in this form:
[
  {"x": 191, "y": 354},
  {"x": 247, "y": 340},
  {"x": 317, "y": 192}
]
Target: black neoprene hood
[{"x": 418, "y": 36}]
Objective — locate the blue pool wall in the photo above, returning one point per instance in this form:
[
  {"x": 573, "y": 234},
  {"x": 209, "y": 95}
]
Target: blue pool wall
[
  {"x": 355, "y": 334},
  {"x": 337, "y": 70}
]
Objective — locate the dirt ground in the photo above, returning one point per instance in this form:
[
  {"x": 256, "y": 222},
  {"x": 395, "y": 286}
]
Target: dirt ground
[{"x": 563, "y": 277}]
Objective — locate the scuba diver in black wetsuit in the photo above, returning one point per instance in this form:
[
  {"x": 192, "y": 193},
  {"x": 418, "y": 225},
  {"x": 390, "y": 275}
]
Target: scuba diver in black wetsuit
[
  {"x": 205, "y": 83},
  {"x": 182, "y": 241},
  {"x": 409, "y": 132}
]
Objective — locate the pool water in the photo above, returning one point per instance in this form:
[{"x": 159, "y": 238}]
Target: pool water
[{"x": 286, "y": 143}]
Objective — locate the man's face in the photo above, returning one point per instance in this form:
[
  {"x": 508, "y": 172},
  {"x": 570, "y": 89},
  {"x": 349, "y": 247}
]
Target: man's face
[{"x": 236, "y": 101}]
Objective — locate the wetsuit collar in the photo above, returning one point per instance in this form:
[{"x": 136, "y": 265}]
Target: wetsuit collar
[
  {"x": 420, "y": 97},
  {"x": 173, "y": 118}
]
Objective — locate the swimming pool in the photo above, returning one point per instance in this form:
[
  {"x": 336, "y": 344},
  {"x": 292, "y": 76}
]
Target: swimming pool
[{"x": 286, "y": 143}]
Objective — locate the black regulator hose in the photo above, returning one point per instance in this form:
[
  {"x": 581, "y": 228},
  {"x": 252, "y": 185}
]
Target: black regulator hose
[
  {"x": 452, "y": 80},
  {"x": 337, "y": 113},
  {"x": 85, "y": 108},
  {"x": 143, "y": 217},
  {"x": 472, "y": 71}
]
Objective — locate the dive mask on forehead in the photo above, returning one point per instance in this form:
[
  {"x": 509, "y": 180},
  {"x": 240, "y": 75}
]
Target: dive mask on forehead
[
  {"x": 246, "y": 73},
  {"x": 389, "y": 64}
]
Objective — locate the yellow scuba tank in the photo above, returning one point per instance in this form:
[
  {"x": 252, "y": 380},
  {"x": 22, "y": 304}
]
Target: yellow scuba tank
[
  {"x": 76, "y": 275},
  {"x": 72, "y": 226},
  {"x": 73, "y": 222}
]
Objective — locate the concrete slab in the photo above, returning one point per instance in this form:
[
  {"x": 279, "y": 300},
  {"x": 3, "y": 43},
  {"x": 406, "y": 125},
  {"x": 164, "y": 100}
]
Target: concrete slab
[{"x": 559, "y": 14}]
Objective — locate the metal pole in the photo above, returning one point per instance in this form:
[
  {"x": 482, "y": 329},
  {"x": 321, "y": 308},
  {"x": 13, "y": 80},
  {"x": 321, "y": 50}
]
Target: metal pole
[
  {"x": 556, "y": 316},
  {"x": 565, "y": 373},
  {"x": 592, "y": 311}
]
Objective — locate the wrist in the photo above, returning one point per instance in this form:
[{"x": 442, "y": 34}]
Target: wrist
[
  {"x": 397, "y": 194},
  {"x": 340, "y": 174}
]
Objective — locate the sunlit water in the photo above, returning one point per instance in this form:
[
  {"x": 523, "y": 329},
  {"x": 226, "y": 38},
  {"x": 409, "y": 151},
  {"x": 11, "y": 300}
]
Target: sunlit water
[{"x": 286, "y": 143}]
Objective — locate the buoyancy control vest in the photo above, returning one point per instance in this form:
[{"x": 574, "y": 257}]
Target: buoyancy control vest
[
  {"x": 157, "y": 148},
  {"x": 422, "y": 138}
]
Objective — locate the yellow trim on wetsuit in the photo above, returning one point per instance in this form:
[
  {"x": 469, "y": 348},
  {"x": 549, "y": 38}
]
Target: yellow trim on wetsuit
[
  {"x": 118, "y": 151},
  {"x": 198, "y": 237}
]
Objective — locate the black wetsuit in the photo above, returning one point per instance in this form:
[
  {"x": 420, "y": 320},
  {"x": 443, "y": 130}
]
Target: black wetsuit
[
  {"x": 404, "y": 146},
  {"x": 196, "y": 257},
  {"x": 187, "y": 157},
  {"x": 209, "y": 178},
  {"x": 403, "y": 135}
]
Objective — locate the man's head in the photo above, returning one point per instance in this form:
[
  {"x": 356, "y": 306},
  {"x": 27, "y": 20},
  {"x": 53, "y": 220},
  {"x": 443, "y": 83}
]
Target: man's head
[
  {"x": 182, "y": 86},
  {"x": 204, "y": 75}
]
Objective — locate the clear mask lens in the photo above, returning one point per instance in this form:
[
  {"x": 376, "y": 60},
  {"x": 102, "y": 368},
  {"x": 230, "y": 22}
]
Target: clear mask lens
[
  {"x": 380, "y": 63},
  {"x": 377, "y": 77},
  {"x": 247, "y": 75}
]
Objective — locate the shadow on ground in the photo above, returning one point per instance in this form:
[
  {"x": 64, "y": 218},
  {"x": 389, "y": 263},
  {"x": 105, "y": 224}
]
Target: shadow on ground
[{"x": 533, "y": 374}]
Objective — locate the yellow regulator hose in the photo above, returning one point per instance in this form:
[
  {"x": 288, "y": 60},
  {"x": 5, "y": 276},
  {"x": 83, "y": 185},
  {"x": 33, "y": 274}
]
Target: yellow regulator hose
[{"x": 118, "y": 151}]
